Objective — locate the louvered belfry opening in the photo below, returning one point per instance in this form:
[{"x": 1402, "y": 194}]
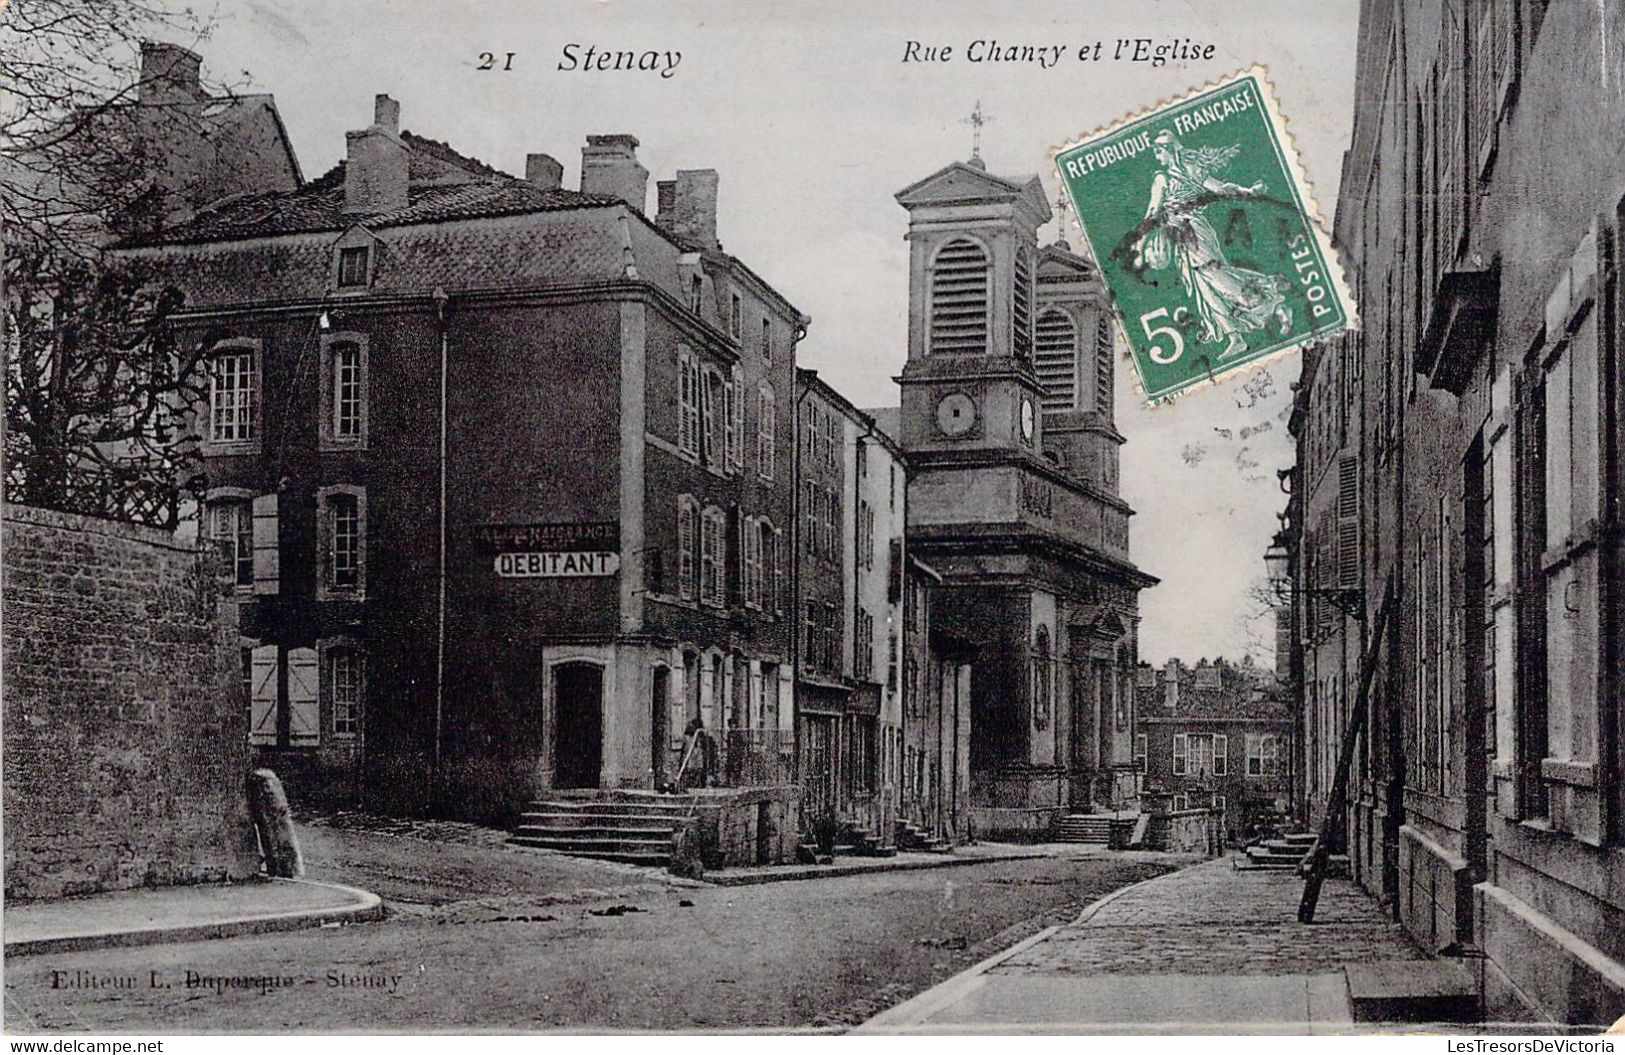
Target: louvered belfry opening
[
  {"x": 1021, "y": 337},
  {"x": 1103, "y": 365},
  {"x": 1056, "y": 360},
  {"x": 959, "y": 303}
]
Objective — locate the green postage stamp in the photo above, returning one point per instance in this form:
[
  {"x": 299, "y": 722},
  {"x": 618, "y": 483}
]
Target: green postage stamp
[{"x": 1200, "y": 218}]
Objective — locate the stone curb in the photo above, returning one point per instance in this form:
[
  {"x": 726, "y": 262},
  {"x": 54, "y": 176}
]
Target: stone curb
[
  {"x": 914, "y": 1011},
  {"x": 366, "y": 907},
  {"x": 833, "y": 871}
]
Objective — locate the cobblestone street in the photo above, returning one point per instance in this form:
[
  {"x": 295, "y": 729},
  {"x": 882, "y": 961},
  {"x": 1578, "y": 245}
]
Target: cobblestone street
[{"x": 1232, "y": 937}]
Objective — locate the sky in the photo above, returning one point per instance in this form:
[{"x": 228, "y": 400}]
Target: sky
[{"x": 814, "y": 122}]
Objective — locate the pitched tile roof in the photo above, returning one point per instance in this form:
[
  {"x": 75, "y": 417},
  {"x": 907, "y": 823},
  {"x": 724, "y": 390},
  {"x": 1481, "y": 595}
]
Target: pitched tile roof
[{"x": 443, "y": 185}]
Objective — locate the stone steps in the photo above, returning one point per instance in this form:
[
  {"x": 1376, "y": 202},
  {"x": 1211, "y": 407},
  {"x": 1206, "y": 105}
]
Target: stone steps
[
  {"x": 1411, "y": 991},
  {"x": 619, "y": 829},
  {"x": 1088, "y": 829}
]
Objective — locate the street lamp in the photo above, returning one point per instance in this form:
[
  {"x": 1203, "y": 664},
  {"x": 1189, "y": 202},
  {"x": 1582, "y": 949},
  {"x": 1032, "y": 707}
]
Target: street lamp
[{"x": 1278, "y": 565}]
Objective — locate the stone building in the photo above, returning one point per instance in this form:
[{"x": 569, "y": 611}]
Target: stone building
[
  {"x": 503, "y": 473},
  {"x": 850, "y": 696},
  {"x": 1481, "y": 217},
  {"x": 1007, "y": 423},
  {"x": 1216, "y": 735}
]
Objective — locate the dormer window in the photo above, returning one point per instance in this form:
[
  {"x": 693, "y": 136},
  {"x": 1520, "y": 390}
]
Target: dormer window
[{"x": 353, "y": 267}]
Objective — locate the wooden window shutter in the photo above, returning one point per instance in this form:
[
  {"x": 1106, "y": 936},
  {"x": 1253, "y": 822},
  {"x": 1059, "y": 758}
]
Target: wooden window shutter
[
  {"x": 267, "y": 552},
  {"x": 262, "y": 696},
  {"x": 304, "y": 700}
]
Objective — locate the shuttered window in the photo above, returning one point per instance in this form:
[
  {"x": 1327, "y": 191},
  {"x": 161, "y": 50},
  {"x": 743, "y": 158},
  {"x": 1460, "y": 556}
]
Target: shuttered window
[
  {"x": 262, "y": 695},
  {"x": 1057, "y": 360},
  {"x": 959, "y": 299},
  {"x": 1103, "y": 365},
  {"x": 686, "y": 515},
  {"x": 304, "y": 707},
  {"x": 1021, "y": 307},
  {"x": 766, "y": 433},
  {"x": 688, "y": 403}
]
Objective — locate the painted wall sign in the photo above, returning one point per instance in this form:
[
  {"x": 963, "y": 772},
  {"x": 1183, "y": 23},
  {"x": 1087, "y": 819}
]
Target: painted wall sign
[
  {"x": 595, "y": 536},
  {"x": 556, "y": 565}
]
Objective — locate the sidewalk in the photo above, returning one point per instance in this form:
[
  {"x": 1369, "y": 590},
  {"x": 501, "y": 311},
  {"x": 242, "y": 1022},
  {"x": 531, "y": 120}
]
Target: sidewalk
[
  {"x": 903, "y": 861},
  {"x": 1206, "y": 949},
  {"x": 182, "y": 913}
]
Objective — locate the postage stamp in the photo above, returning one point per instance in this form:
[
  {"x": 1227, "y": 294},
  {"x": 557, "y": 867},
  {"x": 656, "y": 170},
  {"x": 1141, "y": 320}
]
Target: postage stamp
[{"x": 1202, "y": 222}]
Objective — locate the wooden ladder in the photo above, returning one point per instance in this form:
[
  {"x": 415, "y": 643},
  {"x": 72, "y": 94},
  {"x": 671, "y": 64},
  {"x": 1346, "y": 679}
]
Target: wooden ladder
[{"x": 1337, "y": 801}]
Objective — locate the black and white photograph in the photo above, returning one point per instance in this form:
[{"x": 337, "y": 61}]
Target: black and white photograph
[{"x": 714, "y": 518}]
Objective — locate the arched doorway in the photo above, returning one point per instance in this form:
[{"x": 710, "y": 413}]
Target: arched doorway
[{"x": 578, "y": 724}]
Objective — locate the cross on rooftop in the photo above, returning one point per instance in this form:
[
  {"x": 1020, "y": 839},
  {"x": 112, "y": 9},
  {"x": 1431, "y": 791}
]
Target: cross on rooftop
[{"x": 976, "y": 120}]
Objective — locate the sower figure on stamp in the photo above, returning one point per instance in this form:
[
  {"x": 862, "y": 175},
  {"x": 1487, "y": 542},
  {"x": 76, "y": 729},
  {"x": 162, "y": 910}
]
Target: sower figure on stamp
[{"x": 1231, "y": 301}]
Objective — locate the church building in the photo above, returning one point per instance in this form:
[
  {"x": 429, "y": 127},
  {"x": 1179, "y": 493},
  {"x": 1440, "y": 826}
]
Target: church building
[{"x": 1007, "y": 423}]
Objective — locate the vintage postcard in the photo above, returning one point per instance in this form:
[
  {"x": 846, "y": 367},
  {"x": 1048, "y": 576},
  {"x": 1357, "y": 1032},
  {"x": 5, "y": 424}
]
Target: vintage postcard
[{"x": 702, "y": 517}]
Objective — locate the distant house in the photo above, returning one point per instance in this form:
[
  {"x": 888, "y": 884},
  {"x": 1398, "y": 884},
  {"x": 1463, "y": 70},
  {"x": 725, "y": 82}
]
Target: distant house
[{"x": 1216, "y": 734}]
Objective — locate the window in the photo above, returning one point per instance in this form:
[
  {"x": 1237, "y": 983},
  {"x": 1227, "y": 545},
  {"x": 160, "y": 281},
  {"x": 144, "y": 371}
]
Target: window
[
  {"x": 734, "y": 424},
  {"x": 1201, "y": 754},
  {"x": 1571, "y": 493},
  {"x": 696, "y": 293},
  {"x": 753, "y": 563},
  {"x": 233, "y": 394},
  {"x": 1057, "y": 360},
  {"x": 767, "y": 340},
  {"x": 1139, "y": 752},
  {"x": 713, "y": 556},
  {"x": 353, "y": 267},
  {"x": 231, "y": 527},
  {"x": 713, "y": 407},
  {"x": 863, "y": 652},
  {"x": 866, "y": 535},
  {"x": 1103, "y": 365},
  {"x": 736, "y": 315},
  {"x": 343, "y": 518},
  {"x": 1262, "y": 754},
  {"x": 344, "y": 689},
  {"x": 688, "y": 403},
  {"x": 764, "y": 539},
  {"x": 687, "y": 514},
  {"x": 1021, "y": 307},
  {"x": 959, "y": 299},
  {"x": 766, "y": 430},
  {"x": 344, "y": 391}
]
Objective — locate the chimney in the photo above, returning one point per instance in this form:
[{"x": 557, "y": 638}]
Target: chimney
[
  {"x": 375, "y": 172},
  {"x": 609, "y": 165},
  {"x": 695, "y": 212},
  {"x": 169, "y": 74},
  {"x": 1171, "y": 687},
  {"x": 544, "y": 171},
  {"x": 666, "y": 203}
]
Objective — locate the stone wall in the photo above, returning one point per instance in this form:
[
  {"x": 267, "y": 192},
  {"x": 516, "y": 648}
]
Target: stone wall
[{"x": 126, "y": 732}]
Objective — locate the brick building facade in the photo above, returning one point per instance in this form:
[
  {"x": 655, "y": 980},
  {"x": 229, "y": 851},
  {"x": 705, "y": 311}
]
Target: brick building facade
[
  {"x": 1475, "y": 427},
  {"x": 1214, "y": 735}
]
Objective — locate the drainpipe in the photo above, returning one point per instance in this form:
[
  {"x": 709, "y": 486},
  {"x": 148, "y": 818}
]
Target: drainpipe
[{"x": 440, "y": 301}]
